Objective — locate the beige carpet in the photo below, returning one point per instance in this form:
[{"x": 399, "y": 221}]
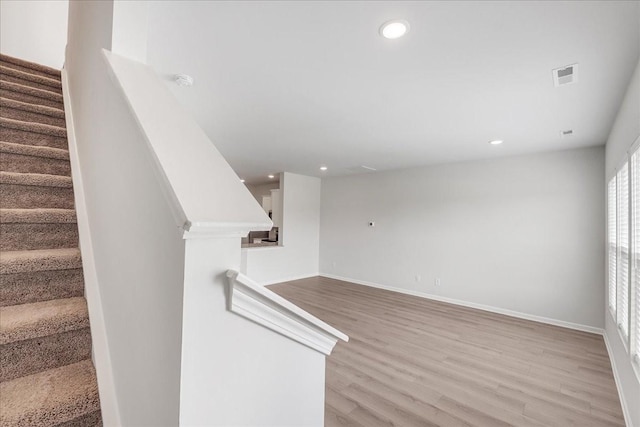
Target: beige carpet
[{"x": 46, "y": 374}]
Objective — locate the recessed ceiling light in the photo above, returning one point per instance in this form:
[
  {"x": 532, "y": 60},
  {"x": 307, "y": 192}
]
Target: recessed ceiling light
[
  {"x": 242, "y": 180},
  {"x": 323, "y": 168},
  {"x": 496, "y": 142},
  {"x": 271, "y": 176},
  {"x": 394, "y": 29}
]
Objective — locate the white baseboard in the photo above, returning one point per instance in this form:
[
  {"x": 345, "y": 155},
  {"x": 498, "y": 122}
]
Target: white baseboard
[
  {"x": 506, "y": 312},
  {"x": 616, "y": 377},
  {"x": 100, "y": 346}
]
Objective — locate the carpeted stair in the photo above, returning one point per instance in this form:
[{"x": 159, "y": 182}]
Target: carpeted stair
[{"x": 46, "y": 374}]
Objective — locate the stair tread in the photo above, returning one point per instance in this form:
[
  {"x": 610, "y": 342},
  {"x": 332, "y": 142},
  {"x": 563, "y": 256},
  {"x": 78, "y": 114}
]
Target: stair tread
[
  {"x": 28, "y": 90},
  {"x": 40, "y": 260},
  {"x": 40, "y": 319},
  {"x": 54, "y": 73},
  {"x": 34, "y": 108},
  {"x": 34, "y": 150},
  {"x": 33, "y": 127},
  {"x": 50, "y": 397},
  {"x": 35, "y": 78},
  {"x": 37, "y": 216},
  {"x": 35, "y": 179}
]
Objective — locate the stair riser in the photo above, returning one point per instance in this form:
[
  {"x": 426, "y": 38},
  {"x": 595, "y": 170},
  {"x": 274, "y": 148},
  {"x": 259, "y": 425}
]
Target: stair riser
[
  {"x": 25, "y": 288},
  {"x": 29, "y": 70},
  {"x": 25, "y": 82},
  {"x": 10, "y": 162},
  {"x": 19, "y": 136},
  {"x": 30, "y": 116},
  {"x": 17, "y": 237},
  {"x": 30, "y": 99},
  {"x": 32, "y": 197},
  {"x": 36, "y": 355}
]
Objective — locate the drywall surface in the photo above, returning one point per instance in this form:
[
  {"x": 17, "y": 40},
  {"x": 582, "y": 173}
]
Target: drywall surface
[
  {"x": 625, "y": 131},
  {"x": 34, "y": 30},
  {"x": 298, "y": 256},
  {"x": 236, "y": 372},
  {"x": 130, "y": 29},
  {"x": 522, "y": 234},
  {"x": 138, "y": 249},
  {"x": 626, "y": 127},
  {"x": 260, "y": 190}
]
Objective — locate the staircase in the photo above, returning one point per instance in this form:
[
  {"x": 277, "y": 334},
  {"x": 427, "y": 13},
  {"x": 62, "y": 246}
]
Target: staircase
[{"x": 46, "y": 374}]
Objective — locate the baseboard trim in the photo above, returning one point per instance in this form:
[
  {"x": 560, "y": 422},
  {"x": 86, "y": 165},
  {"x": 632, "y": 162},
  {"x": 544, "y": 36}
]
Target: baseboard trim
[
  {"x": 492, "y": 309},
  {"x": 100, "y": 346},
  {"x": 616, "y": 377}
]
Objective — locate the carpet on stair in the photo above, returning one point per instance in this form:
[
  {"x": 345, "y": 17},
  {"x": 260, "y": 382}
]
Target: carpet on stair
[
  {"x": 24, "y": 111},
  {"x": 51, "y": 397},
  {"x": 46, "y": 374},
  {"x": 29, "y": 67}
]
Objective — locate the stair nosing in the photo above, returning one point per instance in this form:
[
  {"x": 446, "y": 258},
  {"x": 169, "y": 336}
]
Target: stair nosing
[
  {"x": 79, "y": 378},
  {"x": 30, "y": 77},
  {"x": 34, "y": 127},
  {"x": 42, "y": 151},
  {"x": 38, "y": 216},
  {"x": 43, "y": 110},
  {"x": 60, "y": 315},
  {"x": 30, "y": 65},
  {"x": 32, "y": 91},
  {"x": 35, "y": 179},
  {"x": 33, "y": 260}
]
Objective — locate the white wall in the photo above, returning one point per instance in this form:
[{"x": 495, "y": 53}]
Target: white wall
[
  {"x": 236, "y": 372},
  {"x": 522, "y": 234},
  {"x": 625, "y": 131},
  {"x": 139, "y": 251},
  {"x": 34, "y": 30},
  {"x": 298, "y": 256},
  {"x": 260, "y": 190}
]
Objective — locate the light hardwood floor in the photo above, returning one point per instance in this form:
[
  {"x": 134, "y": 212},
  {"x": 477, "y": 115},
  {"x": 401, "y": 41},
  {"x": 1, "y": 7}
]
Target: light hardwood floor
[{"x": 415, "y": 362}]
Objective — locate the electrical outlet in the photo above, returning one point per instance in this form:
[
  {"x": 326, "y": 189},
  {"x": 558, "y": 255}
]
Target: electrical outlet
[
  {"x": 334, "y": 264},
  {"x": 437, "y": 281},
  {"x": 418, "y": 278}
]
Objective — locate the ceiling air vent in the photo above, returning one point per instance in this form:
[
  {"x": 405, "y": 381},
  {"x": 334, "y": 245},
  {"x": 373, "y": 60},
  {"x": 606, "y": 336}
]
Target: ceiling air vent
[{"x": 565, "y": 75}]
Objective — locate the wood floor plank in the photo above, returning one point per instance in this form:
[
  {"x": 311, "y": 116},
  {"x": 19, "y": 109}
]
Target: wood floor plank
[{"x": 412, "y": 361}]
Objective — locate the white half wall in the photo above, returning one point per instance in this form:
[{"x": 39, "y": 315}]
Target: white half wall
[
  {"x": 236, "y": 372},
  {"x": 625, "y": 131},
  {"x": 300, "y": 235},
  {"x": 522, "y": 234},
  {"x": 34, "y": 30},
  {"x": 138, "y": 249}
]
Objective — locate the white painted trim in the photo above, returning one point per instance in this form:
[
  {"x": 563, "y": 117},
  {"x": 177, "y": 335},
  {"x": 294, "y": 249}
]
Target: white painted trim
[
  {"x": 99, "y": 340},
  {"x": 255, "y": 302},
  {"x": 555, "y": 322},
  {"x": 616, "y": 377}
]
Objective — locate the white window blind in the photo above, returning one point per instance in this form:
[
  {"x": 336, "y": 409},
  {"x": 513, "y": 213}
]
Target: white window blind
[
  {"x": 622, "y": 285},
  {"x": 635, "y": 257},
  {"x": 612, "y": 232}
]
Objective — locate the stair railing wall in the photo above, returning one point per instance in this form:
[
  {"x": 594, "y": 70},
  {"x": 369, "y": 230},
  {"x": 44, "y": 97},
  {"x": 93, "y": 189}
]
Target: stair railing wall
[{"x": 165, "y": 214}]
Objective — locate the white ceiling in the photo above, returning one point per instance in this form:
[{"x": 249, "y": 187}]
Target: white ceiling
[{"x": 288, "y": 86}]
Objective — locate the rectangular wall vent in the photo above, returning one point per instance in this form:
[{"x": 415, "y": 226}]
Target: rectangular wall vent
[
  {"x": 565, "y": 75},
  {"x": 565, "y": 133}
]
